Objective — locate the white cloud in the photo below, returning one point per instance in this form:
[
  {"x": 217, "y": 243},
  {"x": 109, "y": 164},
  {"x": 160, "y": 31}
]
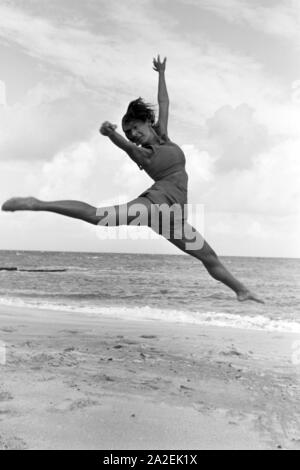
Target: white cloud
[
  {"x": 235, "y": 138},
  {"x": 281, "y": 19},
  {"x": 50, "y": 117},
  {"x": 199, "y": 165},
  {"x": 67, "y": 175},
  {"x": 270, "y": 187},
  {"x": 280, "y": 118}
]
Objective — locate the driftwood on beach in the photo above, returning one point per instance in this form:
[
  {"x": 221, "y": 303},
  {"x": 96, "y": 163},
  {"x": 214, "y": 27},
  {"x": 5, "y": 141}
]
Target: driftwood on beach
[
  {"x": 8, "y": 269},
  {"x": 62, "y": 270}
]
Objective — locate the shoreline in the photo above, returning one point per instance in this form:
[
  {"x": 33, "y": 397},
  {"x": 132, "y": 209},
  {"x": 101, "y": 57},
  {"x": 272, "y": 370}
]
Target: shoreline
[
  {"x": 74, "y": 382},
  {"x": 236, "y": 320}
]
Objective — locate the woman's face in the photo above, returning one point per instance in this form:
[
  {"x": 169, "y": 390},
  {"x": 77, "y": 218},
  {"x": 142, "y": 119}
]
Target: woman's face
[{"x": 138, "y": 132}]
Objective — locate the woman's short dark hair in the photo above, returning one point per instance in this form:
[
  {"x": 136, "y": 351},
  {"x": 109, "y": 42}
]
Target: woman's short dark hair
[{"x": 140, "y": 111}]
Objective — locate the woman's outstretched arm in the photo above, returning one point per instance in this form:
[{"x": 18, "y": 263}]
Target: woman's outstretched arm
[
  {"x": 137, "y": 154},
  {"x": 163, "y": 97}
]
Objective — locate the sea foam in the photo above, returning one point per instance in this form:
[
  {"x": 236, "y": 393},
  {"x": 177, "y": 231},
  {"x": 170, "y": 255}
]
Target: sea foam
[{"x": 146, "y": 313}]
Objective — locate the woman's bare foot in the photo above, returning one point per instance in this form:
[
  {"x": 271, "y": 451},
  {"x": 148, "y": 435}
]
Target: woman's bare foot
[
  {"x": 20, "y": 204},
  {"x": 247, "y": 295}
]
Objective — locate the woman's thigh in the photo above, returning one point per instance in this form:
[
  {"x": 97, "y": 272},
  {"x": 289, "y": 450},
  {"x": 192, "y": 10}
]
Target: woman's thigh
[{"x": 135, "y": 212}]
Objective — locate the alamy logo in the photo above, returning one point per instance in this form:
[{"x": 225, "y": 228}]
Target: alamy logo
[
  {"x": 2, "y": 353},
  {"x": 168, "y": 221}
]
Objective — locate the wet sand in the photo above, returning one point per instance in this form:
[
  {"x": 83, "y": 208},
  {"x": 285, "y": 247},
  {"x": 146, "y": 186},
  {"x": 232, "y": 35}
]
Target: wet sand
[{"x": 74, "y": 382}]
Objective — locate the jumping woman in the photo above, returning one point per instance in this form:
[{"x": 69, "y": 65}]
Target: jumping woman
[{"x": 149, "y": 146}]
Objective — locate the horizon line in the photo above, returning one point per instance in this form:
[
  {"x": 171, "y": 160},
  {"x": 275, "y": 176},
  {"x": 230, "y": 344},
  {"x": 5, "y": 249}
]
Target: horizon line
[{"x": 144, "y": 254}]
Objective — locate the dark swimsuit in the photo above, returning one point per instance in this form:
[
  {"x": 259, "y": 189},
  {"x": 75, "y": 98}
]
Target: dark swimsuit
[{"x": 166, "y": 166}]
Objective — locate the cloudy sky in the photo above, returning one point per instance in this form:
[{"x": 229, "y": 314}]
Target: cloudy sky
[{"x": 234, "y": 82}]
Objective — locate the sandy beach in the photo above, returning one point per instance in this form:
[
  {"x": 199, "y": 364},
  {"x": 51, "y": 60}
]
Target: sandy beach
[{"x": 74, "y": 382}]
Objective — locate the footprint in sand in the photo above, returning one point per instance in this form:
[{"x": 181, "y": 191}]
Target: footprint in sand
[
  {"x": 42, "y": 357},
  {"x": 102, "y": 378},
  {"x": 83, "y": 403},
  {"x": 73, "y": 405},
  {"x": 148, "y": 336},
  {"x": 28, "y": 344},
  {"x": 107, "y": 378},
  {"x": 232, "y": 352},
  {"x": 8, "y": 330},
  {"x": 57, "y": 360},
  {"x": 186, "y": 389},
  {"x": 148, "y": 384},
  {"x": 129, "y": 341},
  {"x": 71, "y": 332}
]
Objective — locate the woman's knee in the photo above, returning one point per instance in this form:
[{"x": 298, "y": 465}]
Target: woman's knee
[{"x": 207, "y": 255}]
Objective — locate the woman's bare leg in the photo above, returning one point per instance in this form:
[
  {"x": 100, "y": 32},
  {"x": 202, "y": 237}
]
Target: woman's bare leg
[
  {"x": 201, "y": 250},
  {"x": 126, "y": 214},
  {"x": 123, "y": 214}
]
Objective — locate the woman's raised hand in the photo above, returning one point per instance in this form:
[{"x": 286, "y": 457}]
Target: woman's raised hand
[
  {"x": 159, "y": 66},
  {"x": 107, "y": 128}
]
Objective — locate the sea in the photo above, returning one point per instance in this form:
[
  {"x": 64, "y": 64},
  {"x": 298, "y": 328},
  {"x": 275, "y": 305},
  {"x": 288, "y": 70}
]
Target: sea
[{"x": 169, "y": 288}]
